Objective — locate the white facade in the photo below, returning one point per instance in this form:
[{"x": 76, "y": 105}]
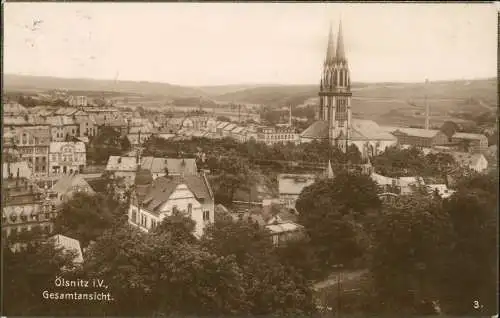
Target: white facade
[
  {"x": 66, "y": 157},
  {"x": 181, "y": 200}
]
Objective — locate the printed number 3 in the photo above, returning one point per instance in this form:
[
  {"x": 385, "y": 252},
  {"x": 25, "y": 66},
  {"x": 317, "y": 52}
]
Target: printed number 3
[{"x": 476, "y": 304}]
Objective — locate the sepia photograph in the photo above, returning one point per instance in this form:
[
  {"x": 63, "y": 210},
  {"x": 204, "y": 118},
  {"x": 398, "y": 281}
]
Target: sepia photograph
[{"x": 249, "y": 159}]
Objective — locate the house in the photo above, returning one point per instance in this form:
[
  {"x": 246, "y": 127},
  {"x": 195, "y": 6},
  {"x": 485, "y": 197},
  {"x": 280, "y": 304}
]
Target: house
[
  {"x": 270, "y": 135},
  {"x": 32, "y": 143},
  {"x": 476, "y": 161},
  {"x": 136, "y": 140},
  {"x": 402, "y": 185},
  {"x": 175, "y": 167},
  {"x": 87, "y": 124},
  {"x": 474, "y": 143},
  {"x": 16, "y": 169},
  {"x": 441, "y": 189},
  {"x": 211, "y": 125},
  {"x": 13, "y": 109},
  {"x": 291, "y": 185},
  {"x": 123, "y": 167},
  {"x": 219, "y": 129},
  {"x": 69, "y": 245},
  {"x": 67, "y": 186},
  {"x": 226, "y": 131},
  {"x": 63, "y": 127},
  {"x": 24, "y": 208},
  {"x": 239, "y": 134},
  {"x": 79, "y": 101},
  {"x": 281, "y": 233},
  {"x": 422, "y": 138},
  {"x": 67, "y": 157},
  {"x": 190, "y": 196}
]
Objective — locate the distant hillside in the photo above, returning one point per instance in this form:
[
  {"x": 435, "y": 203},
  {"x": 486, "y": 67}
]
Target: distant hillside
[
  {"x": 21, "y": 82},
  {"x": 485, "y": 90},
  {"x": 271, "y": 95}
]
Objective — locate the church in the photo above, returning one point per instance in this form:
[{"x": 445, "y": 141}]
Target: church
[{"x": 334, "y": 121}]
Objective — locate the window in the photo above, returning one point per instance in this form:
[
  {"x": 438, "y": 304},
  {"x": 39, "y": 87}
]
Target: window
[
  {"x": 134, "y": 216},
  {"x": 206, "y": 216},
  {"x": 153, "y": 224},
  {"x": 190, "y": 209}
]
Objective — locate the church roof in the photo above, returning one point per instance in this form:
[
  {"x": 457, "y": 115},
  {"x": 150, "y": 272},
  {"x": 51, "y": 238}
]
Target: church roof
[
  {"x": 361, "y": 129},
  {"x": 318, "y": 130}
]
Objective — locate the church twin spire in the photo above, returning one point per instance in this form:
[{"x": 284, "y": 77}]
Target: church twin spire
[{"x": 335, "y": 53}]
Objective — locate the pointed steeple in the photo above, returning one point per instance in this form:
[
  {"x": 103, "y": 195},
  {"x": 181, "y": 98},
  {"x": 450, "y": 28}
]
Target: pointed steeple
[
  {"x": 330, "y": 51},
  {"x": 329, "y": 171},
  {"x": 340, "y": 53}
]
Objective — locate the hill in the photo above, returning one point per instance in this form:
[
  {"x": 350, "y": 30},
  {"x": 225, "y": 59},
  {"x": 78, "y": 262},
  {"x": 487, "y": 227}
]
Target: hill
[
  {"x": 22, "y": 82},
  {"x": 485, "y": 90}
]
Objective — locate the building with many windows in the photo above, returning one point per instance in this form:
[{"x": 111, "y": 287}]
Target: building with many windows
[
  {"x": 67, "y": 157},
  {"x": 25, "y": 208},
  {"x": 271, "y": 135},
  {"x": 32, "y": 143},
  {"x": 189, "y": 196}
]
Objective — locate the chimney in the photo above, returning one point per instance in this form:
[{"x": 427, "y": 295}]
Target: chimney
[{"x": 290, "y": 117}]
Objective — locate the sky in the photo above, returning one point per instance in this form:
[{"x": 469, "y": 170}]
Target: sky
[{"x": 201, "y": 44}]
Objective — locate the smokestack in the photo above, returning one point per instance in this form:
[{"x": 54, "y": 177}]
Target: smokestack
[
  {"x": 427, "y": 113},
  {"x": 290, "y": 117}
]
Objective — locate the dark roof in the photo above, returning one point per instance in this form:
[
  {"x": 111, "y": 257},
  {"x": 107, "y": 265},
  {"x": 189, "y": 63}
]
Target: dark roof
[
  {"x": 318, "y": 130},
  {"x": 143, "y": 177},
  {"x": 161, "y": 189}
]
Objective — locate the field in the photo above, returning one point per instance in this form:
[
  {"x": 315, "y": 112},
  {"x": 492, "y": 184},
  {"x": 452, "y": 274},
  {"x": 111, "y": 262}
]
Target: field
[{"x": 386, "y": 103}]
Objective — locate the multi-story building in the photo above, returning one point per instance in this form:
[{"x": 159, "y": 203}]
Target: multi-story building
[
  {"x": 32, "y": 143},
  {"x": 67, "y": 186},
  {"x": 474, "y": 143},
  {"x": 24, "y": 208},
  {"x": 63, "y": 127},
  {"x": 88, "y": 125},
  {"x": 78, "y": 101},
  {"x": 123, "y": 167},
  {"x": 67, "y": 157},
  {"x": 174, "y": 166},
  {"x": 189, "y": 196},
  {"x": 421, "y": 138},
  {"x": 13, "y": 109},
  {"x": 271, "y": 135}
]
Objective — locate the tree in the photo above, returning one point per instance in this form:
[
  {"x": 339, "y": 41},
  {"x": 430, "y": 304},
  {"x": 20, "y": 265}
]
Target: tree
[
  {"x": 412, "y": 243},
  {"x": 149, "y": 275},
  {"x": 472, "y": 273},
  {"x": 108, "y": 142},
  {"x": 333, "y": 212},
  {"x": 85, "y": 217},
  {"x": 267, "y": 290},
  {"x": 29, "y": 272}
]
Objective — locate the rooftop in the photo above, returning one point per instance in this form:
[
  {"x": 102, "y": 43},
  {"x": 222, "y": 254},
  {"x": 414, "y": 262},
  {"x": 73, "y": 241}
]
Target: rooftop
[{"x": 162, "y": 188}]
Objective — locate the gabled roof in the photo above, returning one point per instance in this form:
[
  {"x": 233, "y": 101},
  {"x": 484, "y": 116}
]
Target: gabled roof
[
  {"x": 294, "y": 183},
  {"x": 283, "y": 227},
  {"x": 185, "y": 166},
  {"x": 318, "y": 130},
  {"x": 461, "y": 135},
  {"x": 117, "y": 163},
  {"x": 70, "y": 244},
  {"x": 66, "y": 182},
  {"x": 368, "y": 130},
  {"x": 221, "y": 125},
  {"x": 162, "y": 188},
  {"x": 417, "y": 132},
  {"x": 229, "y": 127}
]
